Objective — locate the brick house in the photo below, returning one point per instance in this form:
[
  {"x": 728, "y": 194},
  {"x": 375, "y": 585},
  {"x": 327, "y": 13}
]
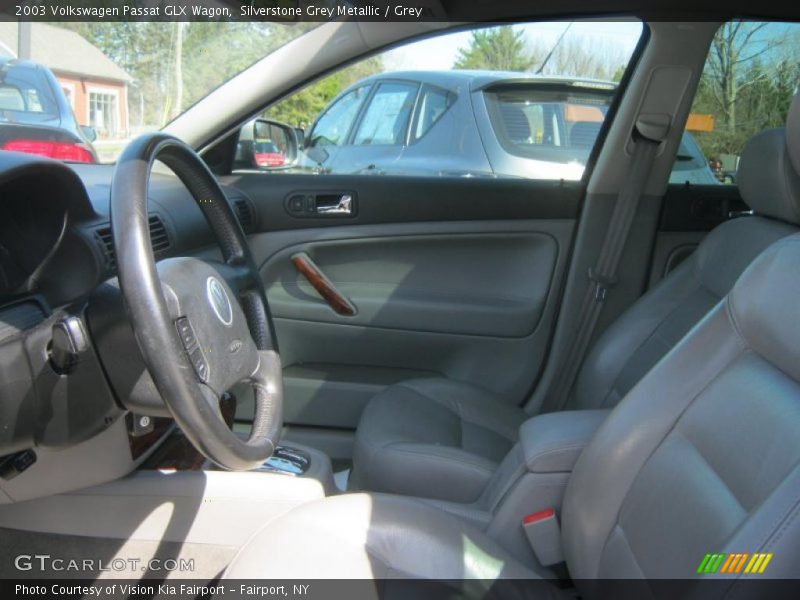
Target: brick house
[{"x": 95, "y": 86}]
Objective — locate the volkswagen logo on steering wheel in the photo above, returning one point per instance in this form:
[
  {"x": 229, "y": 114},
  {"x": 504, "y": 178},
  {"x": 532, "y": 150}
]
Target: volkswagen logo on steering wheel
[{"x": 218, "y": 298}]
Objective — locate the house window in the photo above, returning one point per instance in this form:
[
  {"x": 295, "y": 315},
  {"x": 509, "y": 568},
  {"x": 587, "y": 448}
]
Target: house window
[{"x": 103, "y": 113}]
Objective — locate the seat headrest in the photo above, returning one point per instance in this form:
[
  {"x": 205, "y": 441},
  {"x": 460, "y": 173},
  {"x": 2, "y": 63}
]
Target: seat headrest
[
  {"x": 769, "y": 170},
  {"x": 763, "y": 304}
]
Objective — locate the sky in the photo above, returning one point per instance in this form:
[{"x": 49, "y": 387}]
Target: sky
[{"x": 440, "y": 52}]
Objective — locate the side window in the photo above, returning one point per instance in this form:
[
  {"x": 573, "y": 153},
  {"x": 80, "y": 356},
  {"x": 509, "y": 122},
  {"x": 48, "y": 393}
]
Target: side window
[
  {"x": 433, "y": 103},
  {"x": 334, "y": 125},
  {"x": 522, "y": 101},
  {"x": 386, "y": 119},
  {"x": 747, "y": 84}
]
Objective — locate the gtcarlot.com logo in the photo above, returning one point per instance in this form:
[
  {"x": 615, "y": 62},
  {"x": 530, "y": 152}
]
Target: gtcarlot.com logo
[{"x": 46, "y": 562}]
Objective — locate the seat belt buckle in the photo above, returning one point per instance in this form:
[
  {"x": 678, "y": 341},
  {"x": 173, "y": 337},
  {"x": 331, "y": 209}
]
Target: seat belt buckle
[{"x": 544, "y": 535}]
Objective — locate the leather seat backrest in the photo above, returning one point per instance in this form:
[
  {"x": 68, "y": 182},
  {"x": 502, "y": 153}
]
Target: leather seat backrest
[
  {"x": 703, "y": 455},
  {"x": 769, "y": 182}
]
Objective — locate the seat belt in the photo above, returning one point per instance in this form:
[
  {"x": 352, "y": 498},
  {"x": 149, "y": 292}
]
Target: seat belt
[{"x": 648, "y": 134}]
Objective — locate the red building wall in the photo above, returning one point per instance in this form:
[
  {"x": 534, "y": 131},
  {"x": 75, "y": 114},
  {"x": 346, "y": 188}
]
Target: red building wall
[{"x": 78, "y": 91}]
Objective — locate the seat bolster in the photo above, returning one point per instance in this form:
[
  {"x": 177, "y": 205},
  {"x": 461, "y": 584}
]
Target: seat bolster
[{"x": 768, "y": 323}]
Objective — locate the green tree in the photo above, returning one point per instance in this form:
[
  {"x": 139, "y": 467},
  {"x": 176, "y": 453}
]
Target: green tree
[
  {"x": 736, "y": 46},
  {"x": 211, "y": 53},
  {"x": 751, "y": 74},
  {"x": 497, "y": 49},
  {"x": 302, "y": 108}
]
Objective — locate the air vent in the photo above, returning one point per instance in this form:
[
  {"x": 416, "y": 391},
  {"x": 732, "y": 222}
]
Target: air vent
[
  {"x": 245, "y": 214},
  {"x": 103, "y": 235},
  {"x": 159, "y": 240}
]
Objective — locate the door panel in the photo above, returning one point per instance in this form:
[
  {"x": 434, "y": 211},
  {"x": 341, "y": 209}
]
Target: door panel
[
  {"x": 495, "y": 284},
  {"x": 688, "y": 213},
  {"x": 453, "y": 278}
]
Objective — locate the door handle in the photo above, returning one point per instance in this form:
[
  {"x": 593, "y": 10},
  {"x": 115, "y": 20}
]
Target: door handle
[
  {"x": 323, "y": 286},
  {"x": 322, "y": 204},
  {"x": 335, "y": 205}
]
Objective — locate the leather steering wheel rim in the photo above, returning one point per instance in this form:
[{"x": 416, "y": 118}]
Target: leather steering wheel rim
[{"x": 153, "y": 310}]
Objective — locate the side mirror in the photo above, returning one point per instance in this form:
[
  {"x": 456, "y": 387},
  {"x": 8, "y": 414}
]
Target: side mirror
[
  {"x": 274, "y": 144},
  {"x": 266, "y": 144},
  {"x": 300, "y": 134},
  {"x": 89, "y": 132}
]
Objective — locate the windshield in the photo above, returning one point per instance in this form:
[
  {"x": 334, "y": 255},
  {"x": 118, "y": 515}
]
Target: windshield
[{"x": 121, "y": 79}]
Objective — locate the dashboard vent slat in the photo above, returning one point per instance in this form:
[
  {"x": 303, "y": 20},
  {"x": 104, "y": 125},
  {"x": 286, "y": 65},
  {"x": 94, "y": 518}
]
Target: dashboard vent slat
[
  {"x": 159, "y": 240},
  {"x": 245, "y": 214}
]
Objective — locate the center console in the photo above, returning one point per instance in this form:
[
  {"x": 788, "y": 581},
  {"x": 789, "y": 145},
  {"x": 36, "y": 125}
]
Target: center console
[
  {"x": 301, "y": 462},
  {"x": 177, "y": 496},
  {"x": 164, "y": 447},
  {"x": 531, "y": 478}
]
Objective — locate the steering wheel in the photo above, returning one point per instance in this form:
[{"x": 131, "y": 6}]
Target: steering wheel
[{"x": 202, "y": 326}]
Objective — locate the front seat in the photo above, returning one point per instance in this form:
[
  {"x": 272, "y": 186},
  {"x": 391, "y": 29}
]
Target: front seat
[
  {"x": 439, "y": 438},
  {"x": 702, "y": 456}
]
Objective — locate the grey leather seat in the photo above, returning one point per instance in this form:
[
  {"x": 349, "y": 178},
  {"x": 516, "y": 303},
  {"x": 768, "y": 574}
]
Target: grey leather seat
[
  {"x": 442, "y": 439},
  {"x": 702, "y": 455}
]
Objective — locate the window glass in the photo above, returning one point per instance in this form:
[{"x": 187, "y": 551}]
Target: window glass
[
  {"x": 433, "y": 103},
  {"x": 751, "y": 73},
  {"x": 124, "y": 78},
  {"x": 103, "y": 111},
  {"x": 25, "y": 90},
  {"x": 386, "y": 118},
  {"x": 548, "y": 124},
  {"x": 526, "y": 100},
  {"x": 334, "y": 125}
]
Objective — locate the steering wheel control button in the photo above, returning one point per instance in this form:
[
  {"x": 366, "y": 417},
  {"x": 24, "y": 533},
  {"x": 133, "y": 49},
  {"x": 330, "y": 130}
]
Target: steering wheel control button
[
  {"x": 200, "y": 365},
  {"x": 186, "y": 334},
  {"x": 192, "y": 347},
  {"x": 219, "y": 301}
]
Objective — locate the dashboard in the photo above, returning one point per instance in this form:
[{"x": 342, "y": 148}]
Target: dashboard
[
  {"x": 55, "y": 235},
  {"x": 56, "y": 259}
]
